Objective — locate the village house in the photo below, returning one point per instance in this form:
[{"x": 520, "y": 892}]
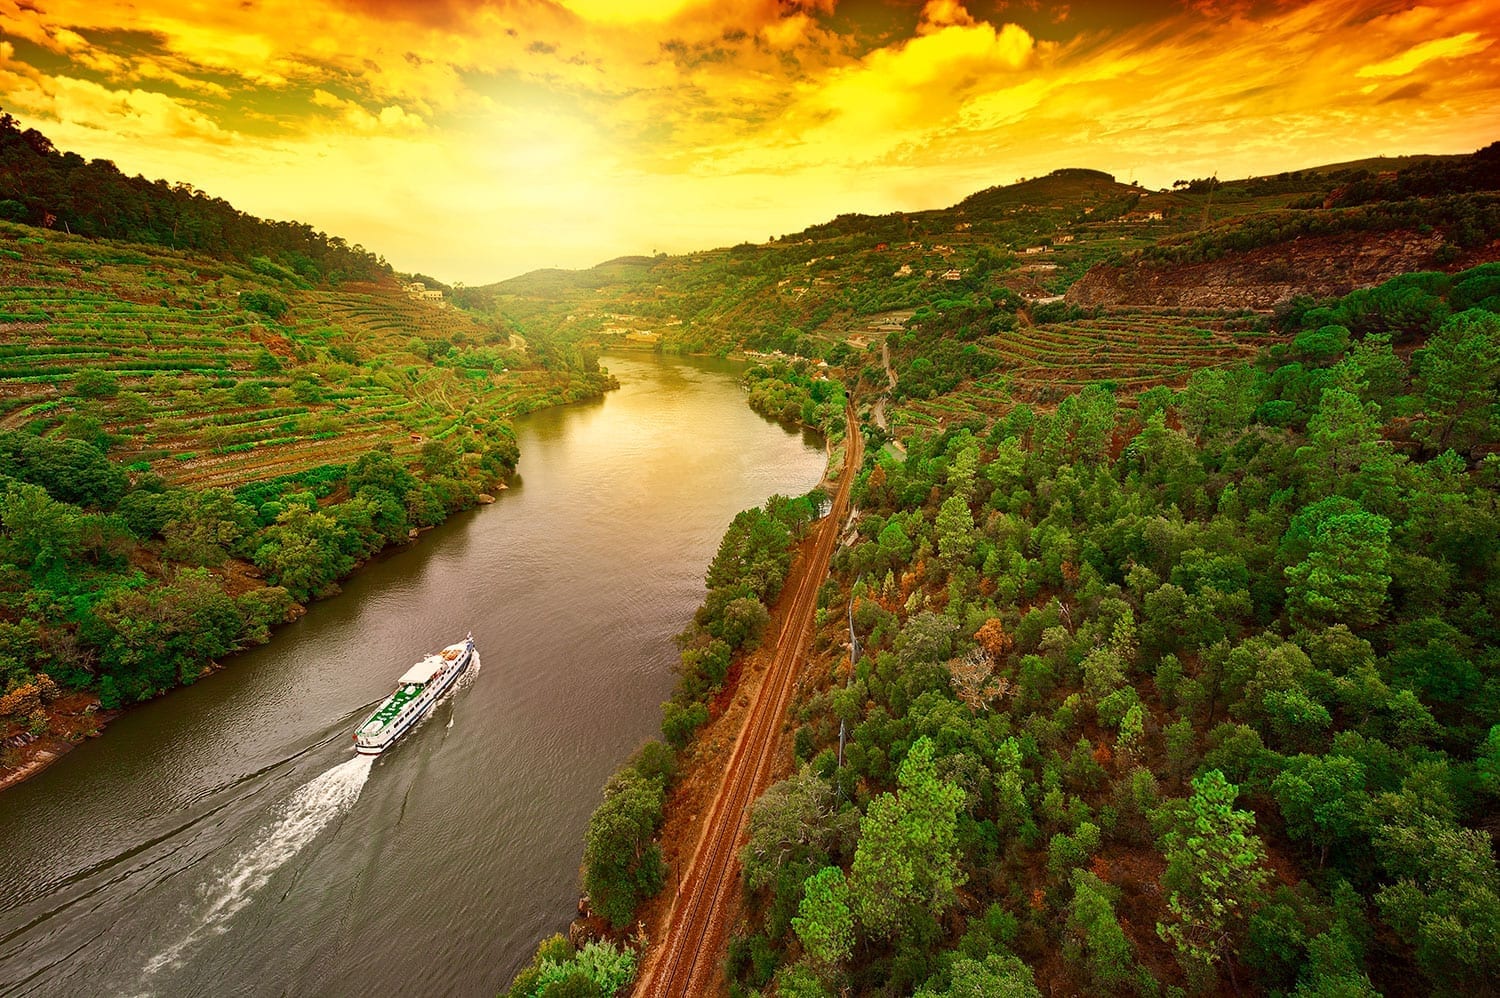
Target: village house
[
  {"x": 903, "y": 271},
  {"x": 952, "y": 275},
  {"x": 1062, "y": 239}
]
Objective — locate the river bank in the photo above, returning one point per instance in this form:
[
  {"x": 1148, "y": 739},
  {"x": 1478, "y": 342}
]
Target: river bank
[{"x": 76, "y": 716}]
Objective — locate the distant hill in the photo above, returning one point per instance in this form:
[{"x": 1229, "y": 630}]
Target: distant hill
[{"x": 834, "y": 286}]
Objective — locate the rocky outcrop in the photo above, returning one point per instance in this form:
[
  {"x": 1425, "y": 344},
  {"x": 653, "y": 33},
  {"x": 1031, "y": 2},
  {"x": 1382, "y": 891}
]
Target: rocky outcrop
[{"x": 1262, "y": 278}]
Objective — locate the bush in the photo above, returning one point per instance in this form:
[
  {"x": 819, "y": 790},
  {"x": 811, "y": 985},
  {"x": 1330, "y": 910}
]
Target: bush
[{"x": 265, "y": 302}]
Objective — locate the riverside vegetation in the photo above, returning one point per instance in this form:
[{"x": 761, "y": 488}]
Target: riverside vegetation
[
  {"x": 207, "y": 426},
  {"x": 1177, "y": 667}
]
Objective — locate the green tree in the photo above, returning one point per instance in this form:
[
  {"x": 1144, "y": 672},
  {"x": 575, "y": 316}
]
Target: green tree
[
  {"x": 1345, "y": 454},
  {"x": 36, "y": 531},
  {"x": 907, "y": 857},
  {"x": 1344, "y": 576},
  {"x": 302, "y": 552},
  {"x": 1095, "y": 934},
  {"x": 1446, "y": 898},
  {"x": 824, "y": 921},
  {"x": 93, "y": 383},
  {"x": 796, "y": 822},
  {"x": 998, "y": 975},
  {"x": 622, "y": 863},
  {"x": 955, "y": 531},
  {"x": 1458, "y": 374},
  {"x": 1215, "y": 871},
  {"x": 1323, "y": 800}
]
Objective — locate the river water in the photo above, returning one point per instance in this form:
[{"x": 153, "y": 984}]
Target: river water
[{"x": 224, "y": 840}]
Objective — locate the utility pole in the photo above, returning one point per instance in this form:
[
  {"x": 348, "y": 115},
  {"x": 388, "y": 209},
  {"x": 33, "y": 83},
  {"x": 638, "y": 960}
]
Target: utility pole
[{"x": 853, "y": 657}]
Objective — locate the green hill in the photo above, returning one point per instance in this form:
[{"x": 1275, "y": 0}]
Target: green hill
[{"x": 193, "y": 441}]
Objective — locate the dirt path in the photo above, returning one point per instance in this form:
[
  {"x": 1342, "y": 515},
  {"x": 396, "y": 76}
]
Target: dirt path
[
  {"x": 686, "y": 960},
  {"x": 877, "y": 411}
]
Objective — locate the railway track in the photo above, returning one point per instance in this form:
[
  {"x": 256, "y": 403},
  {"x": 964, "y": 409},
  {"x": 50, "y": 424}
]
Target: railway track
[{"x": 685, "y": 962}]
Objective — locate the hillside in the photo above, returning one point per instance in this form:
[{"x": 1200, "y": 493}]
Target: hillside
[
  {"x": 1201, "y": 695},
  {"x": 209, "y": 372},
  {"x": 195, "y": 442},
  {"x": 1023, "y": 279}
]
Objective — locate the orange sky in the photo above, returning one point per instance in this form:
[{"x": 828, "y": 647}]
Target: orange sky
[{"x": 474, "y": 141}]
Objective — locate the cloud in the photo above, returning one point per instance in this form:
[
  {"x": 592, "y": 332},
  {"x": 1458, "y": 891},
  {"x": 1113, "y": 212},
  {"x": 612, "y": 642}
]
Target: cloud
[
  {"x": 939, "y": 14},
  {"x": 1411, "y": 91},
  {"x": 1455, "y": 47},
  {"x": 391, "y": 117}
]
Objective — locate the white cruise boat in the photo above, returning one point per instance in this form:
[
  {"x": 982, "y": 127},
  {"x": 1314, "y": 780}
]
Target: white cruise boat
[{"x": 416, "y": 691}]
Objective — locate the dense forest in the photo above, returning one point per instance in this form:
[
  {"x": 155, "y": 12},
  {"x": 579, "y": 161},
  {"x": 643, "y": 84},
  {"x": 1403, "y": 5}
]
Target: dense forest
[
  {"x": 126, "y": 587},
  {"x": 41, "y": 186},
  {"x": 1197, "y": 696}
]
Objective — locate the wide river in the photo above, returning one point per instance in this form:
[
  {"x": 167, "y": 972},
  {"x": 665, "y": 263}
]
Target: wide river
[{"x": 224, "y": 840}]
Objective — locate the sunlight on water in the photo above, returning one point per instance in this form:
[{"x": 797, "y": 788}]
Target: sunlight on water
[{"x": 307, "y": 812}]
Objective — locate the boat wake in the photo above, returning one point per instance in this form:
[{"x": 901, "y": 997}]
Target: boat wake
[
  {"x": 306, "y": 813},
  {"x": 470, "y": 674}
]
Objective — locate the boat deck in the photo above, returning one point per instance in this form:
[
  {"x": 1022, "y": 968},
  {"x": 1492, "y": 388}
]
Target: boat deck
[{"x": 388, "y": 711}]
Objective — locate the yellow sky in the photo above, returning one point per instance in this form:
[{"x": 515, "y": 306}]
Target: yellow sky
[{"x": 474, "y": 141}]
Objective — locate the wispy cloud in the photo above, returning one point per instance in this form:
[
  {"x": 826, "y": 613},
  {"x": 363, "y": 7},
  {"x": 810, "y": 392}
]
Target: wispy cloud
[{"x": 476, "y": 140}]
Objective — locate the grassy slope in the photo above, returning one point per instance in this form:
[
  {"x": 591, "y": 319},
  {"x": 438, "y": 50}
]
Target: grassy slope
[{"x": 213, "y": 393}]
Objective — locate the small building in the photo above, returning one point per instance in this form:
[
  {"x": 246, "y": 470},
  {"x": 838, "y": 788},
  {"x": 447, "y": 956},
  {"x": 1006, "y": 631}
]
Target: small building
[
  {"x": 1063, "y": 239},
  {"x": 903, "y": 271},
  {"x": 1034, "y": 250},
  {"x": 882, "y": 247},
  {"x": 1154, "y": 215},
  {"x": 952, "y": 275}
]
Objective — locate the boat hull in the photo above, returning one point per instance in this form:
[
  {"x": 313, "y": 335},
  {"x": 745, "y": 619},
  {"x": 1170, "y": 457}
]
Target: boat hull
[{"x": 419, "y": 709}]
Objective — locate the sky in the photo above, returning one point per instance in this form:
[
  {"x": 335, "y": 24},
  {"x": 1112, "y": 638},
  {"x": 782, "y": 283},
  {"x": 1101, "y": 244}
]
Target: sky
[{"x": 476, "y": 141}]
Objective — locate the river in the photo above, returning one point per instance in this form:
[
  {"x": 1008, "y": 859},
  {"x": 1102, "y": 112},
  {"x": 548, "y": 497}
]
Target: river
[{"x": 224, "y": 840}]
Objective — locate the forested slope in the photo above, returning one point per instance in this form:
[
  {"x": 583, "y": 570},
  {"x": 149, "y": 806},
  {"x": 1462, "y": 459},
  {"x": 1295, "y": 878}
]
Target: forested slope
[{"x": 1202, "y": 694}]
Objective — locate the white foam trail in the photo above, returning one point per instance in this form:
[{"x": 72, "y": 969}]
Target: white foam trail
[
  {"x": 306, "y": 813},
  {"x": 466, "y": 679}
]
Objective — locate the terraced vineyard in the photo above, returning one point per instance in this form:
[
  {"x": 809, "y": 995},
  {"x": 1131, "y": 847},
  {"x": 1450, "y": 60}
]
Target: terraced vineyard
[
  {"x": 1130, "y": 349},
  {"x": 162, "y": 355},
  {"x": 1135, "y": 349}
]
